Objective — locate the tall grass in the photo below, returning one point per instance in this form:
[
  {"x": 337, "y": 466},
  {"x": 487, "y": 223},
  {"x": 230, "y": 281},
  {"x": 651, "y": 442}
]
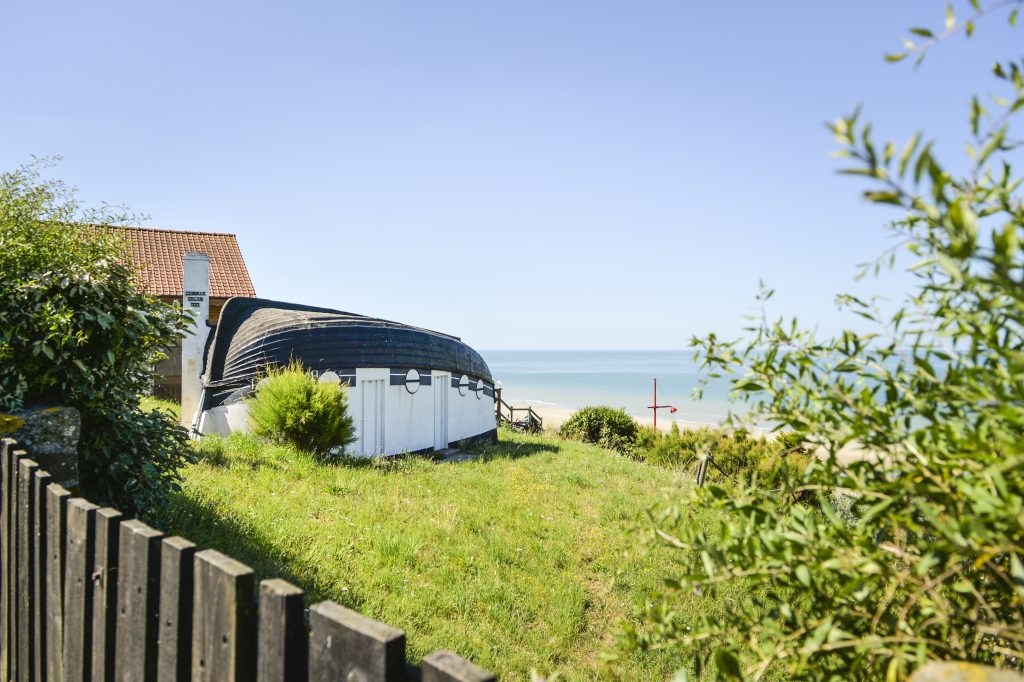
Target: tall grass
[{"x": 521, "y": 559}]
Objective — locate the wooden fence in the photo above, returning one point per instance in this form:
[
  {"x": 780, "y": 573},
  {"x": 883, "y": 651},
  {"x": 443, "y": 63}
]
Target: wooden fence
[{"x": 86, "y": 594}]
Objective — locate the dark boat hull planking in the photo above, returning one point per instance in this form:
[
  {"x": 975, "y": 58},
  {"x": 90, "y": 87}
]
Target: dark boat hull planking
[{"x": 253, "y": 334}]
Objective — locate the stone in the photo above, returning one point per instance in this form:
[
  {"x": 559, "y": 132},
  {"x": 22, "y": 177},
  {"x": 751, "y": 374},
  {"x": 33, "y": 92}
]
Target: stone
[
  {"x": 962, "y": 671},
  {"x": 50, "y": 436}
]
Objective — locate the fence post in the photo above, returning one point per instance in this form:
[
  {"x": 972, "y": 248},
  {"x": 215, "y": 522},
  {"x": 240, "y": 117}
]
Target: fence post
[
  {"x": 25, "y": 580},
  {"x": 7, "y": 446},
  {"x": 12, "y": 461},
  {"x": 81, "y": 536},
  {"x": 56, "y": 537},
  {"x": 445, "y": 666},
  {"x": 174, "y": 655},
  {"x": 344, "y": 645},
  {"x": 138, "y": 601},
  {"x": 223, "y": 636},
  {"x": 282, "y": 648},
  {"x": 104, "y": 593},
  {"x": 40, "y": 480}
]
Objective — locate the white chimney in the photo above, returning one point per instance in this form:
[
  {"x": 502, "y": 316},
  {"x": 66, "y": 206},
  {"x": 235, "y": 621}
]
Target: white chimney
[{"x": 196, "y": 301}]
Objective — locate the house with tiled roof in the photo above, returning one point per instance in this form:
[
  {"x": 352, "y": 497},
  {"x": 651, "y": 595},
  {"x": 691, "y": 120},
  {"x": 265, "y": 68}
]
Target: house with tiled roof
[{"x": 158, "y": 255}]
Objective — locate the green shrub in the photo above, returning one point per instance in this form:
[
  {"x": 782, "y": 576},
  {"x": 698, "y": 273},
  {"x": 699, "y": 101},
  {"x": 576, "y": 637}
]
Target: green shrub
[
  {"x": 75, "y": 331},
  {"x": 290, "y": 406},
  {"x": 868, "y": 569},
  {"x": 603, "y": 425},
  {"x": 737, "y": 454}
]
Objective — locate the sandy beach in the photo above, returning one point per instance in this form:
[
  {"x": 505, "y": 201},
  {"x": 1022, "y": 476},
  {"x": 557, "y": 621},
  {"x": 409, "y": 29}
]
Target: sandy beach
[{"x": 555, "y": 416}]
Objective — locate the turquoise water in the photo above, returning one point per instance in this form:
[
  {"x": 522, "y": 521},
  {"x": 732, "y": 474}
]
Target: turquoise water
[{"x": 573, "y": 379}]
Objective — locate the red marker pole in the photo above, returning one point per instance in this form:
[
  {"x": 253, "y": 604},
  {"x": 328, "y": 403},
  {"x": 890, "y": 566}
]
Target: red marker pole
[{"x": 657, "y": 407}]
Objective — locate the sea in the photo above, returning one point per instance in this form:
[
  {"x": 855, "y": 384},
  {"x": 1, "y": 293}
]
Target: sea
[{"x": 570, "y": 379}]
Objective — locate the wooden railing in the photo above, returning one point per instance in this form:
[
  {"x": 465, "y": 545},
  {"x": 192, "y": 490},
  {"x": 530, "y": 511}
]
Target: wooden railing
[
  {"x": 86, "y": 594},
  {"x": 521, "y": 418}
]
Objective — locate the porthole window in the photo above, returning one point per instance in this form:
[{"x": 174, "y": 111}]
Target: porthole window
[
  {"x": 412, "y": 381},
  {"x": 329, "y": 378},
  {"x": 464, "y": 385},
  {"x": 480, "y": 389}
]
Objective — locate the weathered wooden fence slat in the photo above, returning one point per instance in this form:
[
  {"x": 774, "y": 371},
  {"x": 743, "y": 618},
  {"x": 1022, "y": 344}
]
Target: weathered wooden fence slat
[
  {"x": 11, "y": 560},
  {"x": 104, "y": 593},
  {"x": 223, "y": 624},
  {"x": 40, "y": 481},
  {"x": 26, "y": 580},
  {"x": 7, "y": 446},
  {"x": 57, "y": 498},
  {"x": 345, "y": 645},
  {"x": 138, "y": 601},
  {"x": 81, "y": 536},
  {"x": 445, "y": 666},
  {"x": 88, "y": 595},
  {"x": 282, "y": 648},
  {"x": 174, "y": 657}
]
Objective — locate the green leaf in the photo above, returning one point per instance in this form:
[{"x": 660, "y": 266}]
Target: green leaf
[
  {"x": 908, "y": 151},
  {"x": 748, "y": 386},
  {"x": 883, "y": 198},
  {"x": 1017, "y": 571},
  {"x": 962, "y": 587},
  {"x": 950, "y": 18},
  {"x": 803, "y": 574},
  {"x": 728, "y": 665},
  {"x": 896, "y": 57},
  {"x": 923, "y": 32}
]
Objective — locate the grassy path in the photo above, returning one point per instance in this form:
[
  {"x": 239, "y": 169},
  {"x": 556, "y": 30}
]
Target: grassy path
[{"x": 519, "y": 560}]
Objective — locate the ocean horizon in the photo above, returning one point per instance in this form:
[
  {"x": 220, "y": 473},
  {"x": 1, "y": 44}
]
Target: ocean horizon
[{"x": 571, "y": 379}]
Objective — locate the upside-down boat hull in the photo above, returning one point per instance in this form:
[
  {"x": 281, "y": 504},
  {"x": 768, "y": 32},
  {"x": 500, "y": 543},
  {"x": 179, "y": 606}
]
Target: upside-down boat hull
[{"x": 410, "y": 389}]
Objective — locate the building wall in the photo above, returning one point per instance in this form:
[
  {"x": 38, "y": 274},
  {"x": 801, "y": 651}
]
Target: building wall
[{"x": 409, "y": 418}]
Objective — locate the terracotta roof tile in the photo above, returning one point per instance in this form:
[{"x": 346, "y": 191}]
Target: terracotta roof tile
[{"x": 159, "y": 254}]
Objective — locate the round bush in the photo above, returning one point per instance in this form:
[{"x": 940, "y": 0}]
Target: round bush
[
  {"x": 76, "y": 331},
  {"x": 292, "y": 407},
  {"x": 606, "y": 426}
]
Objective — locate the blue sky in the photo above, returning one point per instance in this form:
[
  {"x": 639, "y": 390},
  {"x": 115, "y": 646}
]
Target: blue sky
[{"x": 528, "y": 174}]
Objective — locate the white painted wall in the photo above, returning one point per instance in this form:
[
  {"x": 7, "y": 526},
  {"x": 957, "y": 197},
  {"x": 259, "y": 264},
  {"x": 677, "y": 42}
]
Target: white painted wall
[
  {"x": 408, "y": 417},
  {"x": 468, "y": 415},
  {"x": 224, "y": 419}
]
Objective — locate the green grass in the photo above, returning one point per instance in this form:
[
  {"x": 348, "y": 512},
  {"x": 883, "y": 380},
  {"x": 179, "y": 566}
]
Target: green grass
[
  {"x": 150, "y": 403},
  {"x": 521, "y": 560}
]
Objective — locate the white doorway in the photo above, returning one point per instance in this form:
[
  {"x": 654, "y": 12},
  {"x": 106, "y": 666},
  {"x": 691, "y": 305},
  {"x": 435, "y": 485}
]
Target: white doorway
[
  {"x": 371, "y": 428},
  {"x": 441, "y": 383}
]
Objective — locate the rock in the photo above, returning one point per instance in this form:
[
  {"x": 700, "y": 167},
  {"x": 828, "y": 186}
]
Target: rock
[
  {"x": 962, "y": 671},
  {"x": 50, "y": 436}
]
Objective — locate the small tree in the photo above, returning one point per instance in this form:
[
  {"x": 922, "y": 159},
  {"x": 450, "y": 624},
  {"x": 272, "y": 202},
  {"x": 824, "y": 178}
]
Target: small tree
[
  {"x": 606, "y": 426},
  {"x": 75, "y": 331},
  {"x": 867, "y": 570},
  {"x": 290, "y": 406}
]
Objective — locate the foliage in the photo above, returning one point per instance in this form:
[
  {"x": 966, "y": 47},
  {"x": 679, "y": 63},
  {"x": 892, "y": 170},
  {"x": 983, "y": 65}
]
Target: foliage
[
  {"x": 866, "y": 569},
  {"x": 290, "y": 406},
  {"x": 607, "y": 426},
  {"x": 736, "y": 453},
  {"x": 75, "y": 331}
]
